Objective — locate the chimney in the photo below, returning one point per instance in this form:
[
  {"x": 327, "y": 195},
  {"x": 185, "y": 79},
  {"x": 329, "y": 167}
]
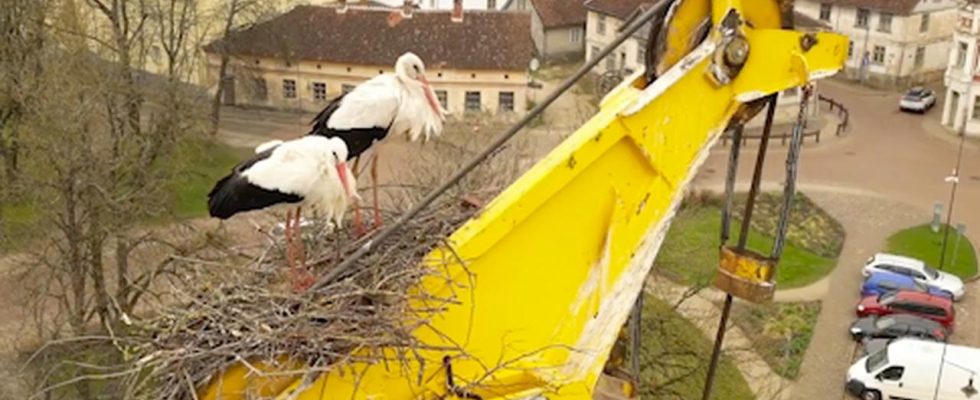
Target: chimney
[
  {"x": 457, "y": 11},
  {"x": 407, "y": 9},
  {"x": 341, "y": 6}
]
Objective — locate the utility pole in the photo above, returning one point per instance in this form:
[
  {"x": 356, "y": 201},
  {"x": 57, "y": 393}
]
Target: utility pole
[{"x": 955, "y": 177}]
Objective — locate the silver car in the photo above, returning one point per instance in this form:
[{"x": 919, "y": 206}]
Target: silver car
[{"x": 918, "y": 100}]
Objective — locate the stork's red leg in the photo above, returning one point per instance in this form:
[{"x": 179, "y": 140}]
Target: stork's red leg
[
  {"x": 287, "y": 232},
  {"x": 358, "y": 223},
  {"x": 374, "y": 189},
  {"x": 302, "y": 279}
]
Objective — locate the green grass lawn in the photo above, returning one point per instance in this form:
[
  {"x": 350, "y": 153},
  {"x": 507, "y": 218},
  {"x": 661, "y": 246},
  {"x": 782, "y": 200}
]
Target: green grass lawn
[
  {"x": 674, "y": 359},
  {"x": 690, "y": 252},
  {"x": 922, "y": 243},
  {"x": 206, "y": 164},
  {"x": 202, "y": 163},
  {"x": 780, "y": 332}
]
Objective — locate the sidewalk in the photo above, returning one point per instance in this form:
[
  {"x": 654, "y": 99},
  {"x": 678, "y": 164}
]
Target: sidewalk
[{"x": 701, "y": 310}]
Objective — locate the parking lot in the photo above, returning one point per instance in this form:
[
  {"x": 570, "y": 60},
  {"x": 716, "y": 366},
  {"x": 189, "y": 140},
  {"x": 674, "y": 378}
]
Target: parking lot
[{"x": 884, "y": 175}]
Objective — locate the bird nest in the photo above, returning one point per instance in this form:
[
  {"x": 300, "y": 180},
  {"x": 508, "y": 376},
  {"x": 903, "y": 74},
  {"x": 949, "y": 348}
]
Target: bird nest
[{"x": 221, "y": 314}]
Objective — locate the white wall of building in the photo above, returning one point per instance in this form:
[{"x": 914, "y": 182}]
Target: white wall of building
[
  {"x": 962, "y": 74},
  {"x": 892, "y": 51}
]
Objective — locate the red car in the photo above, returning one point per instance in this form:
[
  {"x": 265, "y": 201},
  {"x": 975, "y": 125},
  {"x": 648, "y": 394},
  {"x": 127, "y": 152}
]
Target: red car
[{"x": 936, "y": 308}]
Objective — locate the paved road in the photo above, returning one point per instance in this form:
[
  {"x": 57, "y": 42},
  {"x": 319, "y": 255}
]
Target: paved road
[{"x": 884, "y": 175}]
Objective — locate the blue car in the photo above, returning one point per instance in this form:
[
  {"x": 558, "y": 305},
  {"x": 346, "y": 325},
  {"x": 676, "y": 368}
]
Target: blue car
[{"x": 879, "y": 283}]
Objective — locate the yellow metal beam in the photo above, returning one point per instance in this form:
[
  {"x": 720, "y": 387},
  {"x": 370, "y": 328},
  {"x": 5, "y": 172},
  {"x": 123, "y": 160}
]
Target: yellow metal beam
[{"x": 559, "y": 257}]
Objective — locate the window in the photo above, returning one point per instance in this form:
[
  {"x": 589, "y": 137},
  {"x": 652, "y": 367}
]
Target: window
[
  {"x": 473, "y": 101},
  {"x": 289, "y": 88},
  {"x": 595, "y": 52},
  {"x": 931, "y": 310},
  {"x": 600, "y": 26},
  {"x": 491, "y": 4},
  {"x": 506, "y": 101},
  {"x": 976, "y": 108},
  {"x": 924, "y": 23},
  {"x": 885, "y": 22},
  {"x": 863, "y": 15},
  {"x": 641, "y": 54},
  {"x": 879, "y": 55},
  {"x": 920, "y": 56},
  {"x": 260, "y": 92},
  {"x": 961, "y": 55},
  {"x": 888, "y": 286},
  {"x": 443, "y": 98},
  {"x": 892, "y": 373},
  {"x": 850, "y": 49},
  {"x": 574, "y": 35},
  {"x": 789, "y": 92},
  {"x": 825, "y": 11},
  {"x": 319, "y": 91},
  {"x": 610, "y": 63},
  {"x": 346, "y": 88}
]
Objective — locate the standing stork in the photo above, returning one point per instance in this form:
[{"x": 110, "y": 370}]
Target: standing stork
[
  {"x": 399, "y": 103},
  {"x": 309, "y": 171}
]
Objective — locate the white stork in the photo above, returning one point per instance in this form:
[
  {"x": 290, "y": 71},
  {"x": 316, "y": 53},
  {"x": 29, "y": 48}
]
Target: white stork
[
  {"x": 399, "y": 103},
  {"x": 309, "y": 171}
]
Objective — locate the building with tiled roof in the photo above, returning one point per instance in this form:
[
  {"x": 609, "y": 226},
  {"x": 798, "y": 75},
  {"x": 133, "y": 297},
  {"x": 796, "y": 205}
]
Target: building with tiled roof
[
  {"x": 309, "y": 55},
  {"x": 557, "y": 27},
  {"x": 961, "y": 108},
  {"x": 893, "y": 42}
]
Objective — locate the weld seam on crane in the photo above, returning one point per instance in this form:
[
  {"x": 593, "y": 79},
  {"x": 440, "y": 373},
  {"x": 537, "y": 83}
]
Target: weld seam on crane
[{"x": 349, "y": 261}]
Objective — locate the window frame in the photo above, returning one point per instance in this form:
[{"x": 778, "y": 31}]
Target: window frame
[
  {"x": 874, "y": 55},
  {"x": 975, "y": 114},
  {"x": 574, "y": 35},
  {"x": 289, "y": 89},
  {"x": 826, "y": 9},
  {"x": 442, "y": 96},
  {"x": 920, "y": 56},
  {"x": 860, "y": 22},
  {"x": 500, "y": 100},
  {"x": 467, "y": 99},
  {"x": 600, "y": 26},
  {"x": 885, "y": 22},
  {"x": 924, "y": 23},
  {"x": 900, "y": 369},
  {"x": 317, "y": 94}
]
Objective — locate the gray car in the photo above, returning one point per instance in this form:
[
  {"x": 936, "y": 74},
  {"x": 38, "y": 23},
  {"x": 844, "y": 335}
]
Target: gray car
[{"x": 895, "y": 326}]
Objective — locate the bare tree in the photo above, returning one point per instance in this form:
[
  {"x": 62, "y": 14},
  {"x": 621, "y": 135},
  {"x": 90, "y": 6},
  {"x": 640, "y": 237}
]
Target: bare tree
[
  {"x": 21, "y": 40},
  {"x": 237, "y": 13}
]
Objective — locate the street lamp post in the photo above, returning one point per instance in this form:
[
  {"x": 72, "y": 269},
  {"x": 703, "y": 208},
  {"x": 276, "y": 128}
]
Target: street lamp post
[{"x": 954, "y": 178}]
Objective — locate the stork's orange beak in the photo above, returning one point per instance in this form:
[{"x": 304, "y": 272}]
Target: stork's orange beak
[
  {"x": 342, "y": 173},
  {"x": 429, "y": 97}
]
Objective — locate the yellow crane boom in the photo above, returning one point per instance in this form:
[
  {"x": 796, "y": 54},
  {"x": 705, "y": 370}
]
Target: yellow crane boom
[{"x": 558, "y": 259}]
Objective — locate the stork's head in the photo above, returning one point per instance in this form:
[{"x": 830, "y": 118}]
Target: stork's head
[
  {"x": 410, "y": 69},
  {"x": 338, "y": 156}
]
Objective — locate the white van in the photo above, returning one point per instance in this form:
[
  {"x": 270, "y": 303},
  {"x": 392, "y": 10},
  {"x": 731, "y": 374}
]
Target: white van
[{"x": 912, "y": 369}]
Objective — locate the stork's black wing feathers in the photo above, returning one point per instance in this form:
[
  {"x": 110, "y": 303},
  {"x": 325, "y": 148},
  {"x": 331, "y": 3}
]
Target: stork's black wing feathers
[
  {"x": 358, "y": 140},
  {"x": 234, "y": 193}
]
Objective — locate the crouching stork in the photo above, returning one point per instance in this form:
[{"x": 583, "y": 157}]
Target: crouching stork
[
  {"x": 310, "y": 172},
  {"x": 399, "y": 103}
]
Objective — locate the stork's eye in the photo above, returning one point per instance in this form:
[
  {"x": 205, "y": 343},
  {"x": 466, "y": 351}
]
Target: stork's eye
[{"x": 417, "y": 69}]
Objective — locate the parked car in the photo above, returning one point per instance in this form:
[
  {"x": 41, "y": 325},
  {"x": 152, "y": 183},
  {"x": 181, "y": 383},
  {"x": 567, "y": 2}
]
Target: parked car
[
  {"x": 896, "y": 326},
  {"x": 915, "y": 369},
  {"x": 936, "y": 308},
  {"x": 881, "y": 282},
  {"x": 917, "y": 99},
  {"x": 916, "y": 269}
]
